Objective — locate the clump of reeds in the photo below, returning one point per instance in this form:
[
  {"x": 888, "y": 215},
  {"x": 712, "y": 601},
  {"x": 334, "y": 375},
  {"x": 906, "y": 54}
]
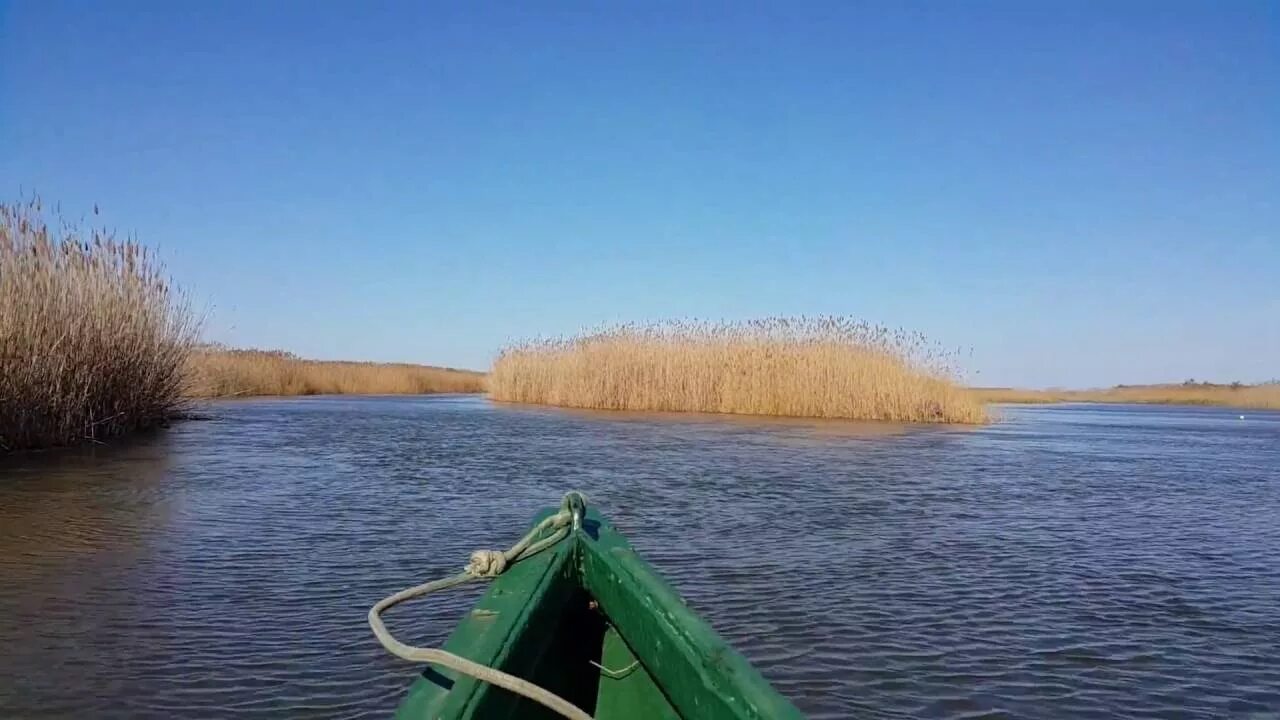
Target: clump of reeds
[
  {"x": 224, "y": 372},
  {"x": 93, "y": 339},
  {"x": 827, "y": 367}
]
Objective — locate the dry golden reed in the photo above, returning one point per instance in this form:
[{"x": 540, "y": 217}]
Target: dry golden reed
[
  {"x": 1258, "y": 397},
  {"x": 826, "y": 367},
  {"x": 222, "y": 372},
  {"x": 93, "y": 340}
]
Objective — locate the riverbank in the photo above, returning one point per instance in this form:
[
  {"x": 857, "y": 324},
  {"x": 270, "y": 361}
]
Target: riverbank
[
  {"x": 93, "y": 338},
  {"x": 223, "y": 372},
  {"x": 796, "y": 367},
  {"x": 1255, "y": 397},
  {"x": 96, "y": 342}
]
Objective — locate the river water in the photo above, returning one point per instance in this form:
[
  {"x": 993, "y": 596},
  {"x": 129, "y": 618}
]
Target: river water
[{"x": 1066, "y": 562}]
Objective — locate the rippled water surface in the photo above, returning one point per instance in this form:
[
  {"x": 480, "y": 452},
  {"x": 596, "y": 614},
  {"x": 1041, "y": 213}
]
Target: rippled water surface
[{"x": 1069, "y": 562}]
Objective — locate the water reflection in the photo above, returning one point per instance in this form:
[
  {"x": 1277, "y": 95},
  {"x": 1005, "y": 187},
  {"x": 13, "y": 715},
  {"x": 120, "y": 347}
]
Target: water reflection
[{"x": 100, "y": 499}]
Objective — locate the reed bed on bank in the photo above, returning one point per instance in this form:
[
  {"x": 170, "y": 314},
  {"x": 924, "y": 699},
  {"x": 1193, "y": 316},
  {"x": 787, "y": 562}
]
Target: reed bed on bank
[
  {"x": 1258, "y": 397},
  {"x": 828, "y": 367},
  {"x": 93, "y": 338},
  {"x": 224, "y": 372}
]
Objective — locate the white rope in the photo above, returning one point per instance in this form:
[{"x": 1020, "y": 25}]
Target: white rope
[{"x": 484, "y": 565}]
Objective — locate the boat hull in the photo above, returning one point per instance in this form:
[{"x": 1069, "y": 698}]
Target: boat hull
[{"x": 589, "y": 620}]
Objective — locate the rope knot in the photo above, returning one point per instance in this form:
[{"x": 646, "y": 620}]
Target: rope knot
[{"x": 487, "y": 563}]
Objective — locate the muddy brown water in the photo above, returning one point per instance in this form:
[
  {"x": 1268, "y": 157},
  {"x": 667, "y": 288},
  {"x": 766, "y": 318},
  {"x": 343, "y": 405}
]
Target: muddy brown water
[{"x": 1068, "y": 562}]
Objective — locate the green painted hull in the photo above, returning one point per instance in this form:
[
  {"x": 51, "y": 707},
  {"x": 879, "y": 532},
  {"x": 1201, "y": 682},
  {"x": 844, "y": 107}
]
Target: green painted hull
[{"x": 591, "y": 600}]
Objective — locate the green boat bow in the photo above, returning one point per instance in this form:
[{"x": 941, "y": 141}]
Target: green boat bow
[{"x": 576, "y": 616}]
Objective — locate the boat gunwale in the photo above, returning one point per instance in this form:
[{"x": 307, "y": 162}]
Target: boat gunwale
[
  {"x": 488, "y": 634},
  {"x": 698, "y": 671}
]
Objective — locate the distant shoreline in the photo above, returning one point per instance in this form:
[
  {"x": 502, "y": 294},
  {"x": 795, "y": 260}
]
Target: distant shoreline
[
  {"x": 219, "y": 372},
  {"x": 246, "y": 398},
  {"x": 990, "y": 396},
  {"x": 1245, "y": 397}
]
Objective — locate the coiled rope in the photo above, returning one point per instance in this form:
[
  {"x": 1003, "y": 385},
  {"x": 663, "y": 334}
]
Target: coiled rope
[{"x": 486, "y": 565}]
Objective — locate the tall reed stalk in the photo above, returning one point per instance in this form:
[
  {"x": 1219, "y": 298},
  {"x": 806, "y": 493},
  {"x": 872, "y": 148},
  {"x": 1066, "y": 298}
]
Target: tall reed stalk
[
  {"x": 93, "y": 338},
  {"x": 828, "y": 367}
]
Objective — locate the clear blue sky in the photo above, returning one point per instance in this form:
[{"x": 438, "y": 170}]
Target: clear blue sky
[{"x": 1082, "y": 193}]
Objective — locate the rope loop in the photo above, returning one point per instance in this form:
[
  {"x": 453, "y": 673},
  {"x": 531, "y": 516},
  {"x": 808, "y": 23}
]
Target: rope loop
[{"x": 486, "y": 565}]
